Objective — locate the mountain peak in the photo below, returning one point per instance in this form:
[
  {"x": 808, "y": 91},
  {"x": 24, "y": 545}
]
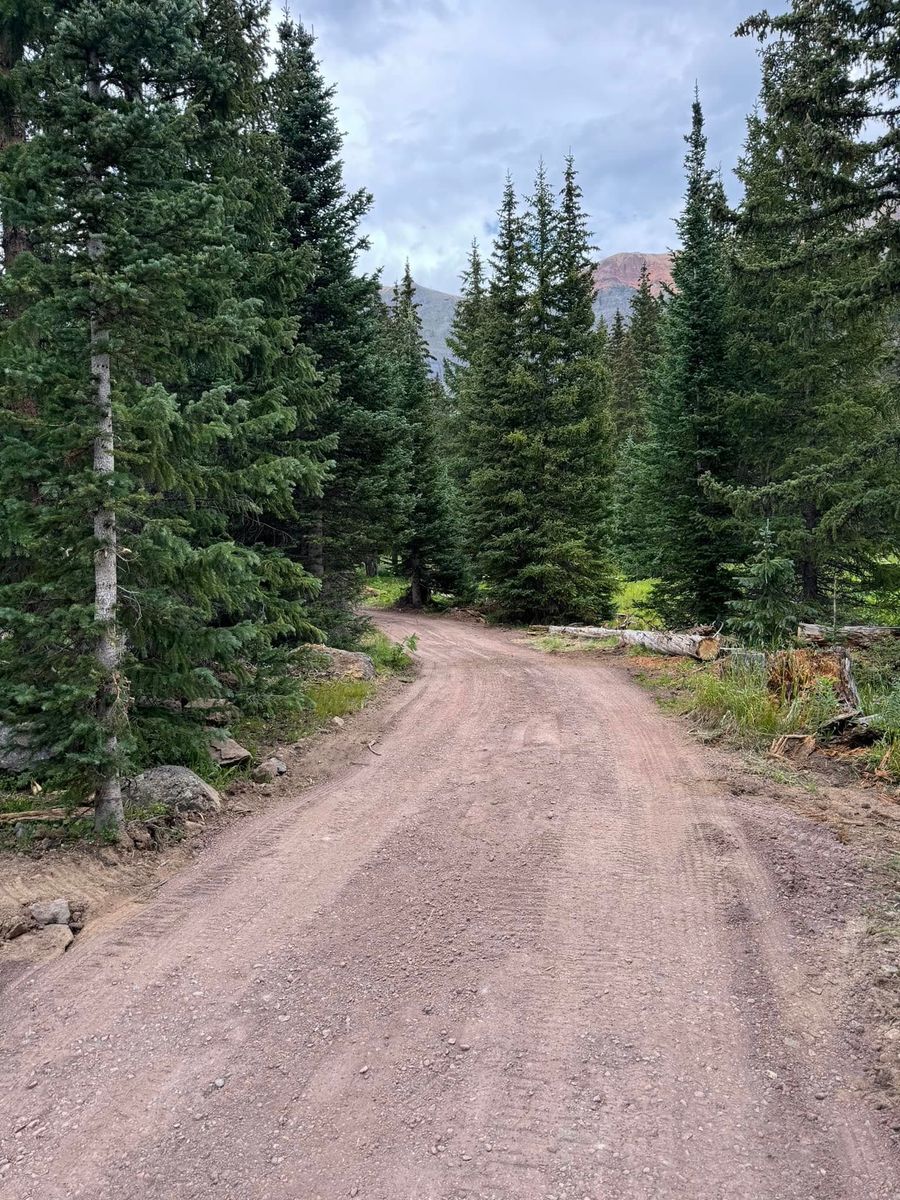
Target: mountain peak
[{"x": 624, "y": 270}]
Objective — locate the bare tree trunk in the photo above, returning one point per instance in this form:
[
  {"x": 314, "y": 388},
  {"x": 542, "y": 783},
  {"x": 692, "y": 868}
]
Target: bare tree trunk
[
  {"x": 109, "y": 816},
  {"x": 861, "y": 636}
]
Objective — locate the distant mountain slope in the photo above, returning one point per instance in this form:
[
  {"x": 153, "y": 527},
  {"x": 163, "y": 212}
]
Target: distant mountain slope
[
  {"x": 436, "y": 310},
  {"x": 616, "y": 278}
]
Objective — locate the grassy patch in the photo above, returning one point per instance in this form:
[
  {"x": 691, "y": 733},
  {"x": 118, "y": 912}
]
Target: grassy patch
[
  {"x": 385, "y": 590},
  {"x": 389, "y": 657},
  {"x": 555, "y": 643},
  {"x": 740, "y": 703},
  {"x": 632, "y": 600},
  {"x": 327, "y": 698}
]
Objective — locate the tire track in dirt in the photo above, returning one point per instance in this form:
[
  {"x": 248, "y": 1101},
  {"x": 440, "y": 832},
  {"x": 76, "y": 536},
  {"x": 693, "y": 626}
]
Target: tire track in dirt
[{"x": 530, "y": 951}]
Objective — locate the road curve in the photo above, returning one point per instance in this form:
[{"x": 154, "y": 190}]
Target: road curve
[{"x": 529, "y": 950}]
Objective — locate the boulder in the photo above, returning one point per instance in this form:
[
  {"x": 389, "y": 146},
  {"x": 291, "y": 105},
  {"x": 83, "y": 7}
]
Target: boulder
[
  {"x": 15, "y": 919},
  {"x": 51, "y": 912},
  {"x": 177, "y": 789},
  {"x": 269, "y": 769},
  {"x": 43, "y": 945},
  {"x": 16, "y": 751},
  {"x": 342, "y": 664},
  {"x": 228, "y": 753}
]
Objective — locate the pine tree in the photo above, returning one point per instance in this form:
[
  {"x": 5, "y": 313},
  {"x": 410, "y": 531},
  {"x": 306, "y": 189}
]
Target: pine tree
[
  {"x": 498, "y": 508},
  {"x": 634, "y": 501},
  {"x": 765, "y": 613},
  {"x": 812, "y": 394},
  {"x": 538, "y": 429},
  {"x": 687, "y": 441},
  {"x": 574, "y": 575},
  {"x": 339, "y": 321},
  {"x": 428, "y": 547},
  {"x": 461, "y": 372},
  {"x": 155, "y": 404}
]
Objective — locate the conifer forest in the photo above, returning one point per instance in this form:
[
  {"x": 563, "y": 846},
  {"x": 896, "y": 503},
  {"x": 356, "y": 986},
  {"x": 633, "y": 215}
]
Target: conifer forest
[
  {"x": 211, "y": 424},
  {"x": 449, "y": 634}
]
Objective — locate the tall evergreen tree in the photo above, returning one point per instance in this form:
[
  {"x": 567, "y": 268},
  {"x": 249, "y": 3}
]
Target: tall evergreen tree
[
  {"x": 574, "y": 576},
  {"x": 813, "y": 391},
  {"x": 497, "y": 506},
  {"x": 428, "y": 547},
  {"x": 687, "y": 441},
  {"x": 633, "y": 376},
  {"x": 539, "y": 429},
  {"x": 339, "y": 320},
  {"x": 149, "y": 367},
  {"x": 461, "y": 371}
]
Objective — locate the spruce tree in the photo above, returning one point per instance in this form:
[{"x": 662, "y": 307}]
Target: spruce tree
[
  {"x": 813, "y": 397},
  {"x": 687, "y": 439},
  {"x": 499, "y": 512},
  {"x": 461, "y": 371},
  {"x": 538, "y": 428},
  {"x": 157, "y": 406},
  {"x": 428, "y": 545},
  {"x": 339, "y": 321},
  {"x": 574, "y": 575},
  {"x": 634, "y": 499}
]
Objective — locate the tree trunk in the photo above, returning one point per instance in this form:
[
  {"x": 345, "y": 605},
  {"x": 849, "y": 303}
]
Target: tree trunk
[
  {"x": 689, "y": 645},
  {"x": 108, "y": 812},
  {"x": 418, "y": 593},
  {"x": 860, "y": 636},
  {"x": 315, "y": 546}
]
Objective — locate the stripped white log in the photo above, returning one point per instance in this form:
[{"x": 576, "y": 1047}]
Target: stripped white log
[{"x": 704, "y": 647}]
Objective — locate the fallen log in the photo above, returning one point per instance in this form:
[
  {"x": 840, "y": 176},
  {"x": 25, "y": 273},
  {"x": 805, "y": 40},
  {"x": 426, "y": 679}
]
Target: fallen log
[
  {"x": 44, "y": 814},
  {"x": 704, "y": 647},
  {"x": 860, "y": 636}
]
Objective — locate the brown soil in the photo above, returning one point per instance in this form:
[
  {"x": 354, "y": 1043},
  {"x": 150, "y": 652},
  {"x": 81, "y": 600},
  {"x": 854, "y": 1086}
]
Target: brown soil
[{"x": 536, "y": 942}]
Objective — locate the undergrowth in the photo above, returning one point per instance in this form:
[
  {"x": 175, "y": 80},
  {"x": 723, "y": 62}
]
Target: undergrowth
[{"x": 740, "y": 702}]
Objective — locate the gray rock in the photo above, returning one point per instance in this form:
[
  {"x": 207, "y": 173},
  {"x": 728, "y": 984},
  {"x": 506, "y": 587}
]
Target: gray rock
[
  {"x": 177, "y": 789},
  {"x": 16, "y": 750},
  {"x": 269, "y": 769},
  {"x": 43, "y": 945},
  {"x": 15, "y": 919},
  {"x": 228, "y": 753},
  {"x": 342, "y": 664},
  {"x": 51, "y": 912}
]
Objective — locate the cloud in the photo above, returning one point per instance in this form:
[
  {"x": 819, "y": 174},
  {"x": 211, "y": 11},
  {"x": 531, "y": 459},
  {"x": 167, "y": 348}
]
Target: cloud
[{"x": 439, "y": 98}]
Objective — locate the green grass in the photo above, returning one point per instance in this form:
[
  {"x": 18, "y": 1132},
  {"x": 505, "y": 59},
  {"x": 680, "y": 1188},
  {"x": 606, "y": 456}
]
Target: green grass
[
  {"x": 633, "y": 601},
  {"x": 554, "y": 643},
  {"x": 389, "y": 657},
  {"x": 326, "y": 699},
  {"x": 388, "y": 589},
  {"x": 740, "y": 703}
]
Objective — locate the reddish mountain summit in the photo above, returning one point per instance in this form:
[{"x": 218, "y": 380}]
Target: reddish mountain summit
[{"x": 624, "y": 270}]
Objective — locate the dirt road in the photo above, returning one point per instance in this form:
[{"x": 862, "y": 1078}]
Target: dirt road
[{"x": 534, "y": 947}]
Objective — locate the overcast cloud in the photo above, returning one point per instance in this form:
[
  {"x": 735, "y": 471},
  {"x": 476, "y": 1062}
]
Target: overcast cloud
[{"x": 439, "y": 98}]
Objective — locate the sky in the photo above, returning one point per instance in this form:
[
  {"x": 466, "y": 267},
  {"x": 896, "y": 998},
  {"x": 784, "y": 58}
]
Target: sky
[{"x": 440, "y": 98}]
